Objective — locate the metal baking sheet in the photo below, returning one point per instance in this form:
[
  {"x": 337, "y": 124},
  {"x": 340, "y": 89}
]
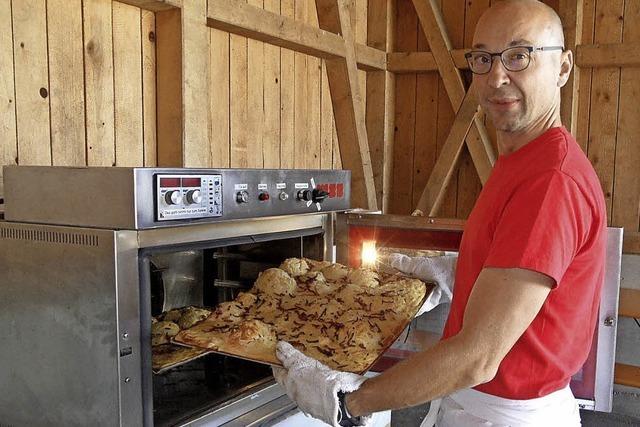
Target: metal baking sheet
[
  {"x": 401, "y": 327},
  {"x": 159, "y": 368}
]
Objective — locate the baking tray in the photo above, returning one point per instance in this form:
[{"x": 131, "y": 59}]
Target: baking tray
[
  {"x": 275, "y": 362},
  {"x": 159, "y": 368}
]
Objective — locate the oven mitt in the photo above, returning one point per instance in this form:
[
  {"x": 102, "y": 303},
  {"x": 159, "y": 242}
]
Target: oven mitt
[
  {"x": 438, "y": 269},
  {"x": 314, "y": 386}
]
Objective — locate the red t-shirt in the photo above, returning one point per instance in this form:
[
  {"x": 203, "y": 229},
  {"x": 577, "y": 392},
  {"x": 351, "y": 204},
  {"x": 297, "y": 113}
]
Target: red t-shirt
[{"x": 542, "y": 209}]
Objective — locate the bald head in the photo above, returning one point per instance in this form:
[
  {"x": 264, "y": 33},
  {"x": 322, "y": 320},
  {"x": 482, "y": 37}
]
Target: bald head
[
  {"x": 527, "y": 95},
  {"x": 517, "y": 16}
]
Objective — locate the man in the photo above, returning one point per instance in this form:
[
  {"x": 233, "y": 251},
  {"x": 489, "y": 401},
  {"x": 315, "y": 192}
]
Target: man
[{"x": 531, "y": 261}]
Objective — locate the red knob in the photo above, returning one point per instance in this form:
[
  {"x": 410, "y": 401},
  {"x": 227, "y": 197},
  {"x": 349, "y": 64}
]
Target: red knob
[{"x": 263, "y": 196}]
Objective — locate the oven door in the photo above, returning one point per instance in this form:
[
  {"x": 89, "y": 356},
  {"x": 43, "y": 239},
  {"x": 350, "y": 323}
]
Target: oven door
[
  {"x": 592, "y": 385},
  {"x": 182, "y": 267}
]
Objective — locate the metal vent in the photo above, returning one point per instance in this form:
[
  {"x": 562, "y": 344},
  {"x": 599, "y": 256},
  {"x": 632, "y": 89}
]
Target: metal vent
[{"x": 48, "y": 236}]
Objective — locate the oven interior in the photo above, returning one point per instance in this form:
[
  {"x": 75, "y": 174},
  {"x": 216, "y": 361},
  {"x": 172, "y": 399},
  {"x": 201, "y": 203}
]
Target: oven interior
[{"x": 204, "y": 276}]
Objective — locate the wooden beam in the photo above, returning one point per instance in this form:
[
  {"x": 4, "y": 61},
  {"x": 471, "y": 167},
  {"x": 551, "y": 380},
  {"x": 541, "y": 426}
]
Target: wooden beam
[
  {"x": 380, "y": 100},
  {"x": 608, "y": 55},
  {"x": 628, "y": 375},
  {"x": 629, "y": 303},
  {"x": 433, "y": 26},
  {"x": 443, "y": 169},
  {"x": 342, "y": 73},
  {"x": 169, "y": 79},
  {"x": 195, "y": 85},
  {"x": 240, "y": 18},
  {"x": 631, "y": 242},
  {"x": 571, "y": 13},
  {"x": 154, "y": 5},
  {"x": 585, "y": 55},
  {"x": 421, "y": 62},
  {"x": 370, "y": 58}
]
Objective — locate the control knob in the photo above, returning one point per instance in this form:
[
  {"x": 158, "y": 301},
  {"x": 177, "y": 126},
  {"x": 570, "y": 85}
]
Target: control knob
[
  {"x": 315, "y": 195},
  {"x": 173, "y": 197},
  {"x": 242, "y": 197},
  {"x": 194, "y": 197}
]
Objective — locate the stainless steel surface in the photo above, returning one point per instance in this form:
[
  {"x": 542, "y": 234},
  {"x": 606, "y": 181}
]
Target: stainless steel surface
[
  {"x": 132, "y": 198},
  {"x": 227, "y": 230},
  {"x": 265, "y": 413},
  {"x": 77, "y": 302},
  {"x": 70, "y": 196},
  {"x": 606, "y": 350},
  {"x": 59, "y": 348},
  {"x": 128, "y": 318},
  {"x": 76, "y": 257},
  {"x": 244, "y": 404}
]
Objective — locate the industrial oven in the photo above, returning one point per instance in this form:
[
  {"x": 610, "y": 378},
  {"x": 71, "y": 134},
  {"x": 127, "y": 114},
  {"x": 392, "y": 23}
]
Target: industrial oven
[{"x": 89, "y": 255}]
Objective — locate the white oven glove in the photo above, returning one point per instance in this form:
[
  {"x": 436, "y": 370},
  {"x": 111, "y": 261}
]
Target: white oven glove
[
  {"x": 438, "y": 269},
  {"x": 314, "y": 386}
]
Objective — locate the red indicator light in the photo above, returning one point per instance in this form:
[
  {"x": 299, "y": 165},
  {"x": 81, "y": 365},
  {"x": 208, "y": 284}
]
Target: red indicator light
[
  {"x": 263, "y": 196},
  {"x": 191, "y": 182},
  {"x": 169, "y": 182},
  {"x": 333, "y": 190}
]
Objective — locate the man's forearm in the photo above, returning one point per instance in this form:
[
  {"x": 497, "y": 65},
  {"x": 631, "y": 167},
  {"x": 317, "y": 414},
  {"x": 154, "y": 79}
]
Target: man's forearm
[{"x": 438, "y": 371}]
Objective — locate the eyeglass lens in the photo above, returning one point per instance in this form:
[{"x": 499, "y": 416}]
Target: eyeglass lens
[{"x": 513, "y": 59}]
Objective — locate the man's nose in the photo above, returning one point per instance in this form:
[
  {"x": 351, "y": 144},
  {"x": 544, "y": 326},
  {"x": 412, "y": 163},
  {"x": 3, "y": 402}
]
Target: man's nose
[{"x": 497, "y": 75}]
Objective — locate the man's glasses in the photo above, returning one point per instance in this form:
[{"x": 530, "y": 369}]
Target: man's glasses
[{"x": 514, "y": 58}]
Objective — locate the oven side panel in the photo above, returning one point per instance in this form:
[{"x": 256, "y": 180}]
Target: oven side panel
[{"x": 59, "y": 351}]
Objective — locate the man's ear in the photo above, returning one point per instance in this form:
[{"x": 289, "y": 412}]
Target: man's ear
[{"x": 565, "y": 67}]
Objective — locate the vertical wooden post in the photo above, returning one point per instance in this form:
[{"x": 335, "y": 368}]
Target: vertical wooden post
[
  {"x": 169, "y": 84},
  {"x": 195, "y": 84},
  {"x": 379, "y": 100},
  {"x": 183, "y": 82},
  {"x": 571, "y": 13},
  {"x": 333, "y": 16}
]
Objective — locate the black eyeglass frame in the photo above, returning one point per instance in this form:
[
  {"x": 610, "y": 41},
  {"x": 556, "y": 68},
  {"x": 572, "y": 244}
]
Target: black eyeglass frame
[{"x": 530, "y": 50}]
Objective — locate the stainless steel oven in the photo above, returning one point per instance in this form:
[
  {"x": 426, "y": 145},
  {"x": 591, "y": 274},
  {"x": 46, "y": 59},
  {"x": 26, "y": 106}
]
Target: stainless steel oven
[{"x": 89, "y": 255}]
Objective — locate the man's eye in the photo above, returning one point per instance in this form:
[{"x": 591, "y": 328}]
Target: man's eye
[
  {"x": 481, "y": 59},
  {"x": 517, "y": 57}
]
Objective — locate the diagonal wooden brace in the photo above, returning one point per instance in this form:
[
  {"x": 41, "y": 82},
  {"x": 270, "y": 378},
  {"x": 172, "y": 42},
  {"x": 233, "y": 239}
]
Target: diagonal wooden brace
[
  {"x": 478, "y": 141},
  {"x": 434, "y": 191}
]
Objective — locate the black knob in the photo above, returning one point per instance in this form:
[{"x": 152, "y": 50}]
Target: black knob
[
  {"x": 304, "y": 195},
  {"x": 319, "y": 195}
]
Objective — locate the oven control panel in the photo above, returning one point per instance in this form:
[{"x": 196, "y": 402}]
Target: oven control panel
[
  {"x": 182, "y": 196},
  {"x": 188, "y": 196}
]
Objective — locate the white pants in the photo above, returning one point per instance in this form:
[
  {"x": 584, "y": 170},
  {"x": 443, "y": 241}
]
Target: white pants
[{"x": 468, "y": 408}]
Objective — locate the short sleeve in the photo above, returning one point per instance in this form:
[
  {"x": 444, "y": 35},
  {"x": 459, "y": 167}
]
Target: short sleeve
[{"x": 542, "y": 226}]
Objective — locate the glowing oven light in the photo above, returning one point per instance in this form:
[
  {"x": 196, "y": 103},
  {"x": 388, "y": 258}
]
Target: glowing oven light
[{"x": 369, "y": 254}]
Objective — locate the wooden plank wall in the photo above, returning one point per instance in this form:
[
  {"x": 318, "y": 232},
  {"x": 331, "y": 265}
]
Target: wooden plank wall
[
  {"x": 608, "y": 122},
  {"x": 270, "y": 107},
  {"x": 78, "y": 87},
  {"x": 423, "y": 114},
  {"x": 77, "y": 83}
]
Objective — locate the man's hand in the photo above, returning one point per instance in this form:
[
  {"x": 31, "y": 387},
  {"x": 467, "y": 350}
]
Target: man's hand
[
  {"x": 439, "y": 269},
  {"x": 314, "y": 386}
]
